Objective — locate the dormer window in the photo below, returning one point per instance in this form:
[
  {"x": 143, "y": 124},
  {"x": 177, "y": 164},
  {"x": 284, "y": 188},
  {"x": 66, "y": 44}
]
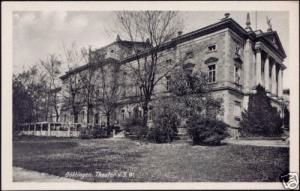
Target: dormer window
[
  {"x": 212, "y": 48},
  {"x": 169, "y": 61}
]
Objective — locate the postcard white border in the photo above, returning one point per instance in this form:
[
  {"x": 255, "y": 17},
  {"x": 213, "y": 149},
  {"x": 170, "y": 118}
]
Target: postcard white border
[{"x": 6, "y": 82}]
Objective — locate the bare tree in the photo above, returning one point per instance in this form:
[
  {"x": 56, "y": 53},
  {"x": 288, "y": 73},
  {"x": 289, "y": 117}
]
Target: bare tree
[
  {"x": 154, "y": 28},
  {"x": 73, "y": 57},
  {"x": 52, "y": 71},
  {"x": 108, "y": 92},
  {"x": 88, "y": 79},
  {"x": 193, "y": 94}
]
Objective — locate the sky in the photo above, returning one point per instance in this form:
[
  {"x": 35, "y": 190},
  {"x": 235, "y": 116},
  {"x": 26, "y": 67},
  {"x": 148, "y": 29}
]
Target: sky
[{"x": 36, "y": 34}]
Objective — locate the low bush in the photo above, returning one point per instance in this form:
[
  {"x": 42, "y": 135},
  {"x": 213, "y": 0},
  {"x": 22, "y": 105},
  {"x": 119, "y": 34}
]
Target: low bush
[
  {"x": 95, "y": 132},
  {"x": 86, "y": 133},
  {"x": 161, "y": 135},
  {"x": 135, "y": 129},
  {"x": 164, "y": 127},
  {"x": 204, "y": 131}
]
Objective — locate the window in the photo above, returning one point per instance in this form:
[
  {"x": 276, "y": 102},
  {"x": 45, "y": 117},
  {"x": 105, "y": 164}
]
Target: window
[
  {"x": 151, "y": 113},
  {"x": 124, "y": 92},
  {"x": 112, "y": 51},
  {"x": 168, "y": 82},
  {"x": 211, "y": 73},
  {"x": 65, "y": 118},
  {"x": 137, "y": 89},
  {"x": 189, "y": 54},
  {"x": 124, "y": 84},
  {"x": 96, "y": 118},
  {"x": 238, "y": 49},
  {"x": 237, "y": 74},
  {"x": 169, "y": 61},
  {"x": 123, "y": 114},
  {"x": 237, "y": 109},
  {"x": 212, "y": 48}
]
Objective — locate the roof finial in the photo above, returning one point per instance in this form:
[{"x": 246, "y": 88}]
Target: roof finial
[
  {"x": 248, "y": 23},
  {"x": 269, "y": 24},
  {"x": 118, "y": 38}
]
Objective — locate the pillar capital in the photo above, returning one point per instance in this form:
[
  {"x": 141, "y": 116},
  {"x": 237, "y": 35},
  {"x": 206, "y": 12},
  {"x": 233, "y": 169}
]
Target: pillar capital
[{"x": 258, "y": 46}]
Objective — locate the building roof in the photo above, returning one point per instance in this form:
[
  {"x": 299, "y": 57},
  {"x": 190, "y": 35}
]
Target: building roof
[
  {"x": 83, "y": 67},
  {"x": 222, "y": 24}
]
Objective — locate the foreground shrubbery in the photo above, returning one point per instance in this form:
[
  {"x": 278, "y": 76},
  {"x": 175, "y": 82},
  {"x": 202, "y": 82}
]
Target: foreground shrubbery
[
  {"x": 205, "y": 131},
  {"x": 261, "y": 119},
  {"x": 95, "y": 132},
  {"x": 135, "y": 129},
  {"x": 164, "y": 127}
]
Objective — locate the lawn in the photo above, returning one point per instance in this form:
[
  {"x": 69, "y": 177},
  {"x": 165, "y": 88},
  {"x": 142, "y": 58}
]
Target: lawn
[{"x": 123, "y": 160}]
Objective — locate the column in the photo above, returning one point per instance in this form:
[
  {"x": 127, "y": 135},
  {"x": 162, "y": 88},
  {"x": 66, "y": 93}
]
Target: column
[
  {"x": 280, "y": 82},
  {"x": 247, "y": 63},
  {"x": 267, "y": 74},
  {"x": 258, "y": 66},
  {"x": 253, "y": 71},
  {"x": 274, "y": 78}
]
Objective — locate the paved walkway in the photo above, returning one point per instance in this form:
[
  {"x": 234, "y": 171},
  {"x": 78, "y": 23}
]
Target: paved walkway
[
  {"x": 262, "y": 143},
  {"x": 24, "y": 175}
]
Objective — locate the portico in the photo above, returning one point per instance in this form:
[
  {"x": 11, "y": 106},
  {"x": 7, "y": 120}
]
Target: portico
[{"x": 268, "y": 70}]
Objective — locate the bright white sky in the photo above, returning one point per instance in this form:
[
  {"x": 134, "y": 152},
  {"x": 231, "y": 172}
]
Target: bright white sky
[{"x": 38, "y": 34}]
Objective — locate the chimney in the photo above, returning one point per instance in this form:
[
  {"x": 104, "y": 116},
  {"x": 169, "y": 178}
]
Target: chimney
[
  {"x": 227, "y": 15},
  {"x": 118, "y": 38}
]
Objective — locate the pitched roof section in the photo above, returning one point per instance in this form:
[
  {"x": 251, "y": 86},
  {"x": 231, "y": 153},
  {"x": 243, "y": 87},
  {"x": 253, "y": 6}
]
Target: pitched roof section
[
  {"x": 224, "y": 23},
  {"x": 273, "y": 39},
  {"x": 83, "y": 67}
]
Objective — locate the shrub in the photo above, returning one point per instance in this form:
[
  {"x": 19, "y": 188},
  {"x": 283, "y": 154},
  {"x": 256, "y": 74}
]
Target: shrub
[
  {"x": 161, "y": 135},
  {"x": 134, "y": 128},
  {"x": 95, "y": 132},
  {"x": 164, "y": 126},
  {"x": 86, "y": 133},
  {"x": 205, "y": 131},
  {"x": 261, "y": 119}
]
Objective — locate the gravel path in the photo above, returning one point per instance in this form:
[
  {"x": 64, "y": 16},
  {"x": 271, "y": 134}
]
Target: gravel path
[
  {"x": 24, "y": 175},
  {"x": 263, "y": 143}
]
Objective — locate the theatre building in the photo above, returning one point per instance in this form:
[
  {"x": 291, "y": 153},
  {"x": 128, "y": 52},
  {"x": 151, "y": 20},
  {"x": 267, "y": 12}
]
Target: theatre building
[{"x": 236, "y": 59}]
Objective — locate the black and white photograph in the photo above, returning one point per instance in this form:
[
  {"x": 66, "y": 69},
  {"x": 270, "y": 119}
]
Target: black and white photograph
[{"x": 99, "y": 94}]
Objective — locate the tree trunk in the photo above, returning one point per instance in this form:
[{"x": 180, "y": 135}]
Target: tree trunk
[
  {"x": 145, "y": 114},
  {"x": 88, "y": 116},
  {"x": 108, "y": 119},
  {"x": 75, "y": 117}
]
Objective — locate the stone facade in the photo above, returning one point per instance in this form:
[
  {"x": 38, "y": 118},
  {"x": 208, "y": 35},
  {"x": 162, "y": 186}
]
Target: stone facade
[{"x": 241, "y": 58}]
